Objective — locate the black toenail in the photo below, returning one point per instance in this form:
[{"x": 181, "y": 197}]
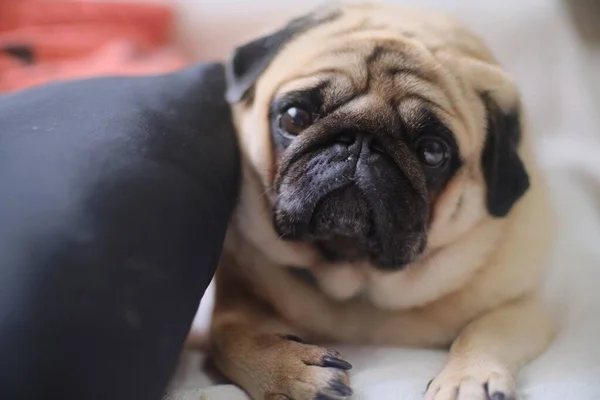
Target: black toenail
[
  {"x": 329, "y": 361},
  {"x": 324, "y": 396},
  {"x": 341, "y": 388}
]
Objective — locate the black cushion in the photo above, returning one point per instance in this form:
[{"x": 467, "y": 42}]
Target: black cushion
[{"x": 114, "y": 200}]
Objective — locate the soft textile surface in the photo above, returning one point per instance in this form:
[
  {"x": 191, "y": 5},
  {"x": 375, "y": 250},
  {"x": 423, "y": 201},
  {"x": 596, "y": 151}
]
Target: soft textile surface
[
  {"x": 114, "y": 199},
  {"x": 42, "y": 41}
]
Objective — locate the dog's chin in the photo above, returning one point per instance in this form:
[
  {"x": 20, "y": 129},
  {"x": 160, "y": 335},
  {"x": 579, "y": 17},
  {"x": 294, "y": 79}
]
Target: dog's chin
[{"x": 343, "y": 229}]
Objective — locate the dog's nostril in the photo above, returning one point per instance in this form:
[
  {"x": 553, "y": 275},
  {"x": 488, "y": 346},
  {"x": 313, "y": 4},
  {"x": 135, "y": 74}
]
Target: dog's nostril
[
  {"x": 347, "y": 138},
  {"x": 376, "y": 146}
]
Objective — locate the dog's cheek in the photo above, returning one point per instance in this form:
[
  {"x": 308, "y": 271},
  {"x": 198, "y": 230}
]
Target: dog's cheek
[
  {"x": 456, "y": 210},
  {"x": 256, "y": 146}
]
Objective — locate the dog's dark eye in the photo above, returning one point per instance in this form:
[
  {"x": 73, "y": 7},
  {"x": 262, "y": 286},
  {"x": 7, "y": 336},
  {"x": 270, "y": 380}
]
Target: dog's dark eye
[
  {"x": 294, "y": 120},
  {"x": 432, "y": 152}
]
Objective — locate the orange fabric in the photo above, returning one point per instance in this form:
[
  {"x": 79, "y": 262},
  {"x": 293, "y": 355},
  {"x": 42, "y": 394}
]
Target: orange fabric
[{"x": 75, "y": 39}]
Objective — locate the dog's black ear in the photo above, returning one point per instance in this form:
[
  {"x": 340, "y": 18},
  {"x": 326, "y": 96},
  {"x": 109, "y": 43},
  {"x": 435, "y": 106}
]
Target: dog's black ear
[
  {"x": 503, "y": 170},
  {"x": 248, "y": 61}
]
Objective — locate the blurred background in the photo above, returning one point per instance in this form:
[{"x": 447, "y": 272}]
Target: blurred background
[{"x": 551, "y": 47}]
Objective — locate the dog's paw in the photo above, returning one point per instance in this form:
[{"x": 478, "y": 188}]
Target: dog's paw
[
  {"x": 471, "y": 384},
  {"x": 307, "y": 372}
]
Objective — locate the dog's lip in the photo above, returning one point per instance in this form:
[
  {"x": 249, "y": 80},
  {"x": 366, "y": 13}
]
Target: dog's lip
[
  {"x": 319, "y": 207},
  {"x": 343, "y": 246}
]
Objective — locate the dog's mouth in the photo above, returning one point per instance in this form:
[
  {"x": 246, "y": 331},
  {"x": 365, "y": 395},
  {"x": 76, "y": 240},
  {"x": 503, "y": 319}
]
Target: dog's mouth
[
  {"x": 341, "y": 224},
  {"x": 342, "y": 248},
  {"x": 345, "y": 227}
]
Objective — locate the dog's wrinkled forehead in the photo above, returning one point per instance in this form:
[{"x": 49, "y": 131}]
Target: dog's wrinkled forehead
[
  {"x": 357, "y": 49},
  {"x": 389, "y": 68}
]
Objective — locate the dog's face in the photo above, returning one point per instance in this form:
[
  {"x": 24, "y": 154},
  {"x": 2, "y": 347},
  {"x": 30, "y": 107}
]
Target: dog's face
[{"x": 377, "y": 132}]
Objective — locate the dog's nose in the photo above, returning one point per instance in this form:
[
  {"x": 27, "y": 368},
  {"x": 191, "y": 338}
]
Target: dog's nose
[
  {"x": 373, "y": 144},
  {"x": 366, "y": 141},
  {"x": 347, "y": 138}
]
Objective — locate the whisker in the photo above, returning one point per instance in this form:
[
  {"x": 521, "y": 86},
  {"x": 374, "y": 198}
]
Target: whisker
[{"x": 263, "y": 194}]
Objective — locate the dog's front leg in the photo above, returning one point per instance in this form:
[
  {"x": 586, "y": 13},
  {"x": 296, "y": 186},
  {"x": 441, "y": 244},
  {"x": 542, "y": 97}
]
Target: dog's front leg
[
  {"x": 261, "y": 355},
  {"x": 488, "y": 353}
]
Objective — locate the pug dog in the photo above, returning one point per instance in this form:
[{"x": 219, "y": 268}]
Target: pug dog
[{"x": 390, "y": 197}]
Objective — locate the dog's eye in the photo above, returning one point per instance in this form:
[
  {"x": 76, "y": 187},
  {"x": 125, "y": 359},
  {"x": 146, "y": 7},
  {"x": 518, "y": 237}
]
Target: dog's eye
[
  {"x": 432, "y": 152},
  {"x": 294, "y": 120}
]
